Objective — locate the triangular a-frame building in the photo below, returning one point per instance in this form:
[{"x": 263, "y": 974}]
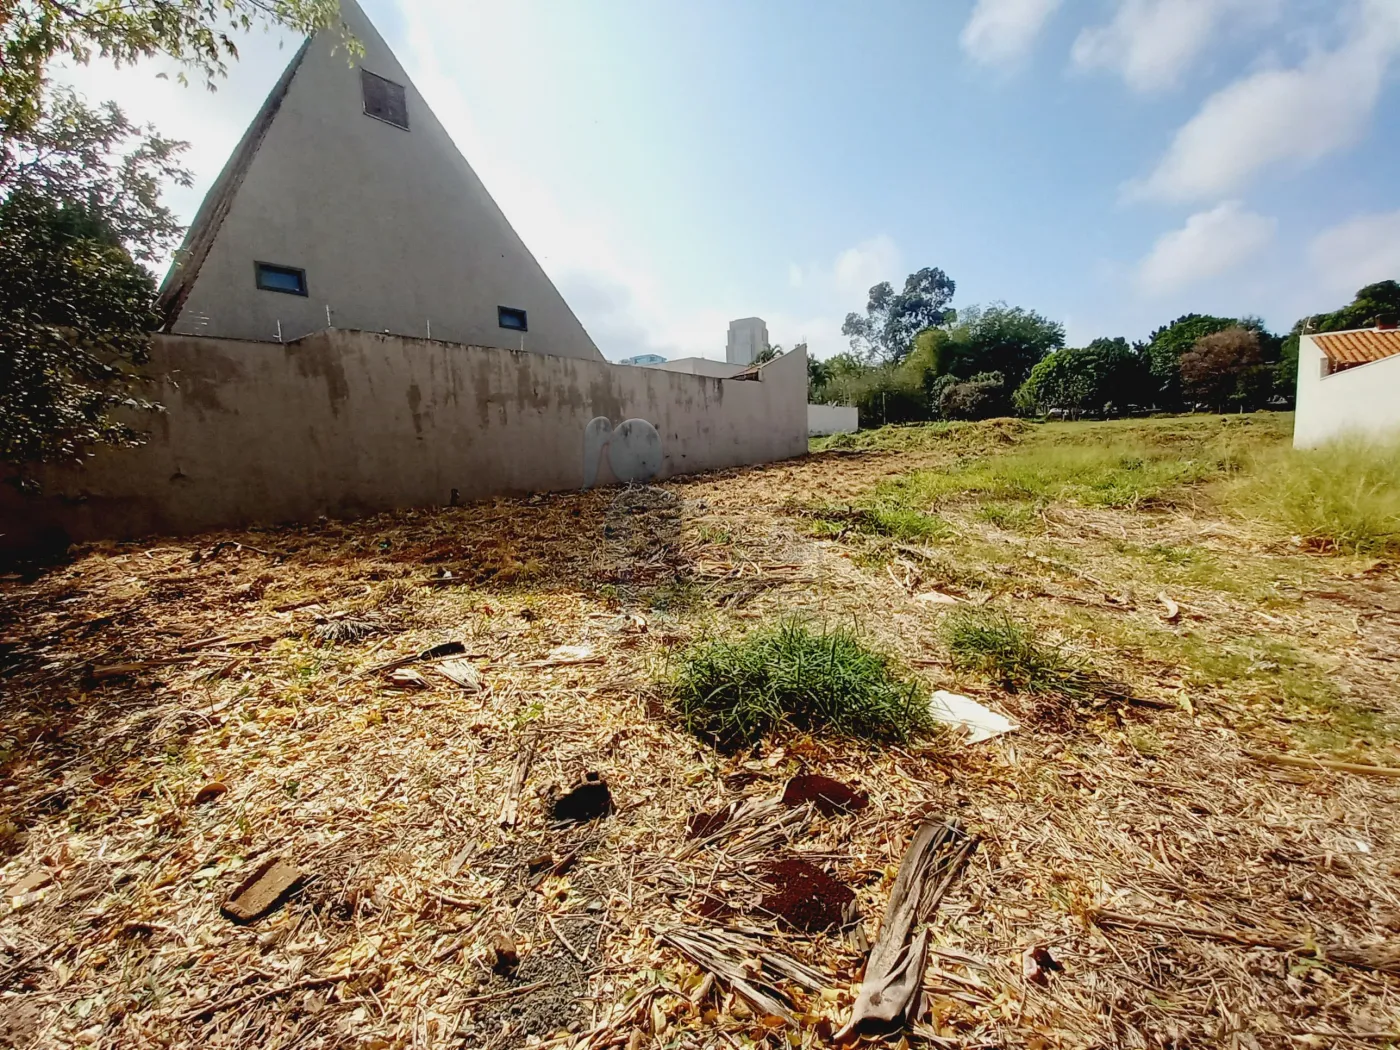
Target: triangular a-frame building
[{"x": 347, "y": 199}]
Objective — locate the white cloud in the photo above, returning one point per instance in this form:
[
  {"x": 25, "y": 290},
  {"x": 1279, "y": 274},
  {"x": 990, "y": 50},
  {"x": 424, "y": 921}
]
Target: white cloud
[
  {"x": 1001, "y": 32},
  {"x": 859, "y": 268},
  {"x": 1150, "y": 43},
  {"x": 1281, "y": 115},
  {"x": 1358, "y": 252},
  {"x": 1211, "y": 243}
]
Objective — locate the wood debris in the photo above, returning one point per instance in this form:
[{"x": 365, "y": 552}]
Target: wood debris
[
  {"x": 747, "y": 966},
  {"x": 891, "y": 992},
  {"x": 510, "y": 803},
  {"x": 1384, "y": 958},
  {"x": 1303, "y": 762},
  {"x": 262, "y": 891}
]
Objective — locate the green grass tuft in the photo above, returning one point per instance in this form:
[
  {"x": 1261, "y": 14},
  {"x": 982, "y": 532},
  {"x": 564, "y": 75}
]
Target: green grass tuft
[
  {"x": 1343, "y": 497},
  {"x": 992, "y": 644},
  {"x": 733, "y": 692}
]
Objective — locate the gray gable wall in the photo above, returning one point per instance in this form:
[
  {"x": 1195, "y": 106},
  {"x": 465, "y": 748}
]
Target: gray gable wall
[{"x": 393, "y": 228}]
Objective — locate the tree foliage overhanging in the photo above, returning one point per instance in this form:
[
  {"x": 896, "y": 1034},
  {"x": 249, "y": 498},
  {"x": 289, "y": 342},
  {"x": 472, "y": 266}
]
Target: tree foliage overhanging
[
  {"x": 978, "y": 362},
  {"x": 197, "y": 33},
  {"x": 75, "y": 310}
]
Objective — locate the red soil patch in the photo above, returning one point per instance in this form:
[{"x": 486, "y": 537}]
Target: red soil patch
[
  {"x": 831, "y": 796},
  {"x": 805, "y": 897}
]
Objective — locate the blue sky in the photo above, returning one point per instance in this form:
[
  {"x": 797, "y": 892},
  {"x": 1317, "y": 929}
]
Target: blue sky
[{"x": 1111, "y": 163}]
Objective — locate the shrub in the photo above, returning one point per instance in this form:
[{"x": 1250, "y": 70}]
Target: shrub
[
  {"x": 1344, "y": 497},
  {"x": 733, "y": 692},
  {"x": 981, "y": 397}
]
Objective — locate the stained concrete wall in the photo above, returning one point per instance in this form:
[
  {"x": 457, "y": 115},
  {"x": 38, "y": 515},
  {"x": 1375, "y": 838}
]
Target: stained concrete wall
[
  {"x": 700, "y": 366},
  {"x": 393, "y": 227},
  {"x": 349, "y": 423},
  {"x": 1360, "y": 401},
  {"x": 832, "y": 419}
]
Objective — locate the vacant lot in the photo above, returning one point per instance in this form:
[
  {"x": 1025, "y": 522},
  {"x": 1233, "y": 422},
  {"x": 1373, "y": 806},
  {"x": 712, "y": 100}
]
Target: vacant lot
[{"x": 1157, "y": 603}]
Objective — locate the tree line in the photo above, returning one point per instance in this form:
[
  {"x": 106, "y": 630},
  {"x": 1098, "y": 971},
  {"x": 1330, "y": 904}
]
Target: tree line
[{"x": 914, "y": 357}]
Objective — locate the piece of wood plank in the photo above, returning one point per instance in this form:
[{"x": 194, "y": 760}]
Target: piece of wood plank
[
  {"x": 261, "y": 891},
  {"x": 102, "y": 674},
  {"x": 1298, "y": 762},
  {"x": 510, "y": 805}
]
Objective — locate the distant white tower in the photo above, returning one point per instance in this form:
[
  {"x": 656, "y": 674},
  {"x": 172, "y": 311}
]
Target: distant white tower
[{"x": 748, "y": 337}]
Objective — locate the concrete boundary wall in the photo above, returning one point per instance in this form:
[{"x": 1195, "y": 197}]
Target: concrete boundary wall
[
  {"x": 347, "y": 423},
  {"x": 832, "y": 419}
]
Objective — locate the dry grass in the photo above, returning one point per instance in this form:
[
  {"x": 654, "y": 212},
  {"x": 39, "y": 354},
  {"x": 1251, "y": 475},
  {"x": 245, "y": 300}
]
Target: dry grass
[{"x": 111, "y": 935}]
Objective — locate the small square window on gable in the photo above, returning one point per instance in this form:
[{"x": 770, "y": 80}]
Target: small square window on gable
[
  {"x": 384, "y": 100},
  {"x": 509, "y": 317},
  {"x": 273, "y": 278}
]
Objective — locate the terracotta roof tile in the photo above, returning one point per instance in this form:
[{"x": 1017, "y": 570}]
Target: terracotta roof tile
[{"x": 1361, "y": 347}]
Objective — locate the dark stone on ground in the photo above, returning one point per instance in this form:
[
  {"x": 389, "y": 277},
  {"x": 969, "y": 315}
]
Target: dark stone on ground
[
  {"x": 506, "y": 954},
  {"x": 590, "y": 800},
  {"x": 805, "y": 897},
  {"x": 830, "y": 796}
]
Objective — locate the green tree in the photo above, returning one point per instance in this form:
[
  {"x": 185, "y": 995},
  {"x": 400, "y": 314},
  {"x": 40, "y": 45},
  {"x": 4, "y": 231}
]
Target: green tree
[
  {"x": 80, "y": 201},
  {"x": 997, "y": 338},
  {"x": 75, "y": 310},
  {"x": 96, "y": 159},
  {"x": 197, "y": 33},
  {"x": 1107, "y": 375},
  {"x": 1165, "y": 347},
  {"x": 892, "y": 319},
  {"x": 1375, "y": 304}
]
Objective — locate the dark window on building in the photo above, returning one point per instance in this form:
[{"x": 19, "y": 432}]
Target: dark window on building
[
  {"x": 509, "y": 317},
  {"x": 287, "y": 279},
  {"x": 384, "y": 100}
]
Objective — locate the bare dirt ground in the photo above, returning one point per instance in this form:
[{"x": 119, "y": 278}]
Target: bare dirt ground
[{"x": 136, "y": 675}]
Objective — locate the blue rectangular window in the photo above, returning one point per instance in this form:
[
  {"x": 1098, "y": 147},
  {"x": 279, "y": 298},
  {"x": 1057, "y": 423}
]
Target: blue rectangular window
[
  {"x": 287, "y": 279},
  {"x": 509, "y": 317}
]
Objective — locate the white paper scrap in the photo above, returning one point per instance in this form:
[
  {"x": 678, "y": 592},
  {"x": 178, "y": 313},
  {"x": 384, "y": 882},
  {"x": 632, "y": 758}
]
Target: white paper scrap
[{"x": 978, "y": 722}]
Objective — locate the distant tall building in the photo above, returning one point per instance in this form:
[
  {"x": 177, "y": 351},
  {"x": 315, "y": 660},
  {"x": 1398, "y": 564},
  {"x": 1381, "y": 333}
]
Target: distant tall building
[{"x": 748, "y": 337}]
